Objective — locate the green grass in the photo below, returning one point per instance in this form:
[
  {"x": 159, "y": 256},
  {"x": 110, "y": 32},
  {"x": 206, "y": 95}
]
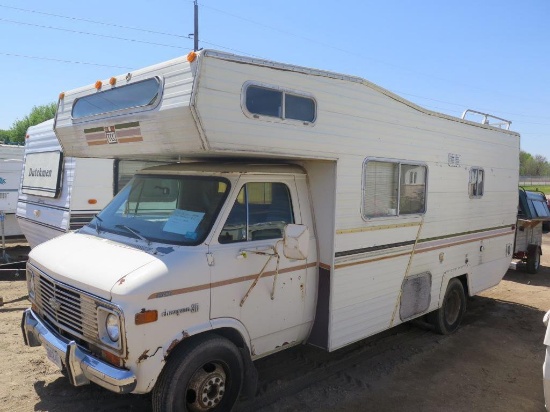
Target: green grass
[{"x": 541, "y": 188}]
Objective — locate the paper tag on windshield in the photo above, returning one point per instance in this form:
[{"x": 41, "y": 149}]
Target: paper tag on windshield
[{"x": 183, "y": 221}]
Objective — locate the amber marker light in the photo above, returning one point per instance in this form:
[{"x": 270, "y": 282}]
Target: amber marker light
[
  {"x": 112, "y": 81},
  {"x": 98, "y": 84},
  {"x": 191, "y": 56},
  {"x": 146, "y": 316},
  {"x": 61, "y": 95},
  {"x": 109, "y": 357},
  {"x": 92, "y": 201}
]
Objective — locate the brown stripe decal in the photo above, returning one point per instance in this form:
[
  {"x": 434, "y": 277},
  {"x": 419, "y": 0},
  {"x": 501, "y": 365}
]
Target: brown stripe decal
[
  {"x": 418, "y": 251},
  {"x": 227, "y": 282}
]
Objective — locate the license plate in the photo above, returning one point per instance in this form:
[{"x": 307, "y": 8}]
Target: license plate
[{"x": 53, "y": 356}]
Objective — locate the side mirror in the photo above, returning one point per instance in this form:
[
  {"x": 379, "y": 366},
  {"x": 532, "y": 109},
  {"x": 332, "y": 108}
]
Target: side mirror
[{"x": 296, "y": 242}]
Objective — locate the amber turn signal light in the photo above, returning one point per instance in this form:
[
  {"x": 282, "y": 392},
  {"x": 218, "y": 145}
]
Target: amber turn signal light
[{"x": 146, "y": 316}]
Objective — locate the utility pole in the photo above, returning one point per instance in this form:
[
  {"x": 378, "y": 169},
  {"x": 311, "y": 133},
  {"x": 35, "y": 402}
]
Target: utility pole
[{"x": 196, "y": 33}]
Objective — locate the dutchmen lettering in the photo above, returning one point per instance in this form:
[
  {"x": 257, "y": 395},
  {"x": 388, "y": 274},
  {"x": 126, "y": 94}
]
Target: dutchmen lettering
[{"x": 40, "y": 172}]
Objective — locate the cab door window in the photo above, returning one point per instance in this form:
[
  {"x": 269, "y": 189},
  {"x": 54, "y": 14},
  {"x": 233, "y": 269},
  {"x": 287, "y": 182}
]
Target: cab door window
[{"x": 261, "y": 211}]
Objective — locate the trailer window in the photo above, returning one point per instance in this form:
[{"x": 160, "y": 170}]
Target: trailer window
[
  {"x": 393, "y": 189},
  {"x": 475, "y": 186},
  {"x": 261, "y": 211},
  {"x": 43, "y": 174},
  {"x": 142, "y": 94},
  {"x": 264, "y": 101}
]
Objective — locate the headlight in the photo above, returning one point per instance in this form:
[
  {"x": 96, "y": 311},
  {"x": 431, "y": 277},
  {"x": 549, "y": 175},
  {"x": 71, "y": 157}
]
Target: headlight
[{"x": 112, "y": 325}]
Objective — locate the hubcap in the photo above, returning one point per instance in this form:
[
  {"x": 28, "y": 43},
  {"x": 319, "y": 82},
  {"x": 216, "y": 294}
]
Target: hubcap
[{"x": 206, "y": 388}]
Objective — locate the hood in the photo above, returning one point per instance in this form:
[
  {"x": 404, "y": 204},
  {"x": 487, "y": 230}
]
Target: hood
[{"x": 87, "y": 262}]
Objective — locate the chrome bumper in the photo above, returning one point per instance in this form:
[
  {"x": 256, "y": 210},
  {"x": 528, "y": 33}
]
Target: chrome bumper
[{"x": 81, "y": 366}]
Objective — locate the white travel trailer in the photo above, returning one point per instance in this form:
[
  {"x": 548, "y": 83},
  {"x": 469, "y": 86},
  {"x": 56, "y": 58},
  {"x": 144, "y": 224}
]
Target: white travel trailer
[
  {"x": 58, "y": 193},
  {"x": 11, "y": 162},
  {"x": 350, "y": 210}
]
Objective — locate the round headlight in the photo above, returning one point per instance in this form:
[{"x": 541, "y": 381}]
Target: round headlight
[{"x": 113, "y": 327}]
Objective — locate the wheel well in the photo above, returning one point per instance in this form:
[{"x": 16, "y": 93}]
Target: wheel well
[
  {"x": 464, "y": 280},
  {"x": 230, "y": 334}
]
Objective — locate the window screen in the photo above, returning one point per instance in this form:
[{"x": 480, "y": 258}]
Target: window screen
[
  {"x": 299, "y": 108},
  {"x": 412, "y": 189},
  {"x": 393, "y": 188}
]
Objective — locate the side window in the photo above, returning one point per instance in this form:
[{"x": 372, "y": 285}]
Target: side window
[
  {"x": 476, "y": 183},
  {"x": 393, "y": 188},
  {"x": 282, "y": 104},
  {"x": 261, "y": 211}
]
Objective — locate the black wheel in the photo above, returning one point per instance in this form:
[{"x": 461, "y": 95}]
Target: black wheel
[
  {"x": 205, "y": 375},
  {"x": 533, "y": 260},
  {"x": 447, "y": 318}
]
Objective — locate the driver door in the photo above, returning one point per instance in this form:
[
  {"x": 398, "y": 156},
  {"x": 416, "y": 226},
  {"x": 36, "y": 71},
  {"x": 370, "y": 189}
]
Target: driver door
[{"x": 272, "y": 310}]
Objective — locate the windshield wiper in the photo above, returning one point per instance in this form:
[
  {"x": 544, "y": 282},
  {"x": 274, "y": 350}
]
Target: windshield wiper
[
  {"x": 98, "y": 223},
  {"x": 129, "y": 229}
]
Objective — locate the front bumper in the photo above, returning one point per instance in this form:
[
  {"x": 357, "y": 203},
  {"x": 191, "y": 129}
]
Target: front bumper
[{"x": 82, "y": 367}]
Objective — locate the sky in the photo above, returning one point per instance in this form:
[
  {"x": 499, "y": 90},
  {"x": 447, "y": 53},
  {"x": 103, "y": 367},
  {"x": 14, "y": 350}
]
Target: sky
[{"x": 447, "y": 56}]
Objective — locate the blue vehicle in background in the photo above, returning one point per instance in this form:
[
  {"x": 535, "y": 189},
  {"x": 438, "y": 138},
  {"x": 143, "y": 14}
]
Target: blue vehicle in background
[{"x": 533, "y": 219}]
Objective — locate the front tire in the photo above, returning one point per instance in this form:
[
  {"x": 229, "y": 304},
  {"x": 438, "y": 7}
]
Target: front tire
[
  {"x": 447, "y": 318},
  {"x": 204, "y": 375}
]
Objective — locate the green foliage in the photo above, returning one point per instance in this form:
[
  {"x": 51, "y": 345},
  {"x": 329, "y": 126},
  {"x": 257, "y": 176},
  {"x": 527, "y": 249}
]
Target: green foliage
[
  {"x": 530, "y": 165},
  {"x": 5, "y": 136},
  {"x": 19, "y": 128}
]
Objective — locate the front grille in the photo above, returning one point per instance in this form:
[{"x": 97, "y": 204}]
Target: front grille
[
  {"x": 66, "y": 309},
  {"x": 71, "y": 312}
]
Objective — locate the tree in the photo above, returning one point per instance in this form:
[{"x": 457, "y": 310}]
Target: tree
[
  {"x": 5, "y": 136},
  {"x": 38, "y": 114},
  {"x": 530, "y": 165},
  {"x": 525, "y": 163}
]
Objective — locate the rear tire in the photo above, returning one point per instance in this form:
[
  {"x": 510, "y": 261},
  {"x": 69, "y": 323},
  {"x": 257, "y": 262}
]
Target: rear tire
[
  {"x": 447, "y": 318},
  {"x": 205, "y": 375},
  {"x": 533, "y": 261}
]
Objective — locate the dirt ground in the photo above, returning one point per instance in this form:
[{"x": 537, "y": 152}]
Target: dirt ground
[{"x": 493, "y": 362}]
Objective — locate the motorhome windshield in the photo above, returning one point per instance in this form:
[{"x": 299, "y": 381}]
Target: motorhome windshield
[{"x": 167, "y": 209}]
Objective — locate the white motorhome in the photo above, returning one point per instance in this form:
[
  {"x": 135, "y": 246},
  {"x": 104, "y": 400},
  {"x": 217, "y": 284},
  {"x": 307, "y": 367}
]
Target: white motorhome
[
  {"x": 58, "y": 193},
  {"x": 11, "y": 162},
  {"x": 324, "y": 209}
]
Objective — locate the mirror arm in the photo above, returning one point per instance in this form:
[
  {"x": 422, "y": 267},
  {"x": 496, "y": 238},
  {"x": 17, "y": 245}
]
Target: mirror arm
[{"x": 271, "y": 255}]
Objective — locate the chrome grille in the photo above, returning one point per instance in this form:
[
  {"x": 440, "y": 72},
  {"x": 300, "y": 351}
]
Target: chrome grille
[
  {"x": 72, "y": 312},
  {"x": 66, "y": 308}
]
